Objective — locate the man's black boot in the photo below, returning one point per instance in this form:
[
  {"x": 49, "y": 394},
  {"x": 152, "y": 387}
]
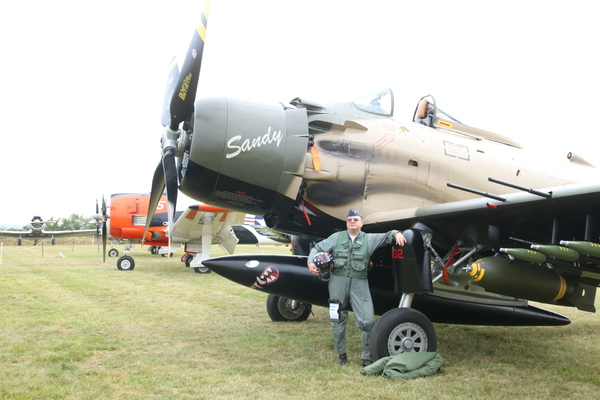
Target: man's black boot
[{"x": 343, "y": 359}]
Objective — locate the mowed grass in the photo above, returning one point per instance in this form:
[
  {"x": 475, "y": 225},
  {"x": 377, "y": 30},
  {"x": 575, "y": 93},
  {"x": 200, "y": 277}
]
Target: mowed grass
[{"x": 77, "y": 328}]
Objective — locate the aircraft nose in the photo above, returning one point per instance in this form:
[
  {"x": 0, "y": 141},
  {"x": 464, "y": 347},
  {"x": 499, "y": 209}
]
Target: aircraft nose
[{"x": 242, "y": 154}]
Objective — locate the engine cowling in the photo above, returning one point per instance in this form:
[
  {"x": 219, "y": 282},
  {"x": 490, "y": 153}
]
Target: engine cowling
[{"x": 244, "y": 156}]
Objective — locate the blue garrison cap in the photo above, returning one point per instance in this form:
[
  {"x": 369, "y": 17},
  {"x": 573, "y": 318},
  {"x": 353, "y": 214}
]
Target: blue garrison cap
[{"x": 354, "y": 213}]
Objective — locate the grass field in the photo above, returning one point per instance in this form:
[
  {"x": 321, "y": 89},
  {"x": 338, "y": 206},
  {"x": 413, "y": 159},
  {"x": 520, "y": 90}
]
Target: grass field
[{"x": 75, "y": 328}]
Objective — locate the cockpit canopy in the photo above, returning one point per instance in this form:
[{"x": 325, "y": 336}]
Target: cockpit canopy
[{"x": 380, "y": 103}]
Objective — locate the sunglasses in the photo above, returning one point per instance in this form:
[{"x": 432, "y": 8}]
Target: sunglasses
[{"x": 353, "y": 219}]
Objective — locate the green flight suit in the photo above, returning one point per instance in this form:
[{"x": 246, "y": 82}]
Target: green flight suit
[{"x": 349, "y": 283}]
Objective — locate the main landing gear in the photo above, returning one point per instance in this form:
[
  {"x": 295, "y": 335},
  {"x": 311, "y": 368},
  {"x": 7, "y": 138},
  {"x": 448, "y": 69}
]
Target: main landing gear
[
  {"x": 125, "y": 263},
  {"x": 281, "y": 309},
  {"x": 401, "y": 330},
  {"x": 188, "y": 260}
]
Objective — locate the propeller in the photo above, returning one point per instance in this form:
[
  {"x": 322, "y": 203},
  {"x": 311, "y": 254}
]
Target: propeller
[
  {"x": 104, "y": 233},
  {"x": 180, "y": 96},
  {"x": 101, "y": 221}
]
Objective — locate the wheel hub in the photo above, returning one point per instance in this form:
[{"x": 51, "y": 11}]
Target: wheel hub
[
  {"x": 407, "y": 337},
  {"x": 291, "y": 308},
  {"x": 407, "y": 344}
]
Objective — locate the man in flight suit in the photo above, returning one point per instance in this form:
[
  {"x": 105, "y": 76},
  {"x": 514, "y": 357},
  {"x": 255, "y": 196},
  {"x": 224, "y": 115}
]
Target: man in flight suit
[{"x": 351, "y": 251}]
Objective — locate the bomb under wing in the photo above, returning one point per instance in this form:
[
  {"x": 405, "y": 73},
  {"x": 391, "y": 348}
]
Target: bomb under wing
[
  {"x": 592, "y": 249},
  {"x": 519, "y": 279}
]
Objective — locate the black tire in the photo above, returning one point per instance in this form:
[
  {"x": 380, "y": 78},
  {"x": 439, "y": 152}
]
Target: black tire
[
  {"x": 400, "y": 330},
  {"x": 202, "y": 270},
  {"x": 187, "y": 259},
  {"x": 125, "y": 263},
  {"x": 279, "y": 310},
  {"x": 153, "y": 250},
  {"x": 113, "y": 253}
]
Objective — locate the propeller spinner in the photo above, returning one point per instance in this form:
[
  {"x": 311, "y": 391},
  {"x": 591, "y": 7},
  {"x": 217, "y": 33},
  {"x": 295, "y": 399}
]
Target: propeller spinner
[{"x": 179, "y": 101}]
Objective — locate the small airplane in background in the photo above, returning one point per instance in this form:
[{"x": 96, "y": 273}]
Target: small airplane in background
[
  {"x": 489, "y": 224},
  {"x": 197, "y": 228},
  {"x": 255, "y": 231},
  {"x": 37, "y": 232}
]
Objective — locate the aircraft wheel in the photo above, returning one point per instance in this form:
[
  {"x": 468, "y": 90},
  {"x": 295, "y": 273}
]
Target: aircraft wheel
[
  {"x": 402, "y": 330},
  {"x": 113, "y": 253},
  {"x": 153, "y": 250},
  {"x": 202, "y": 270},
  {"x": 280, "y": 310},
  {"x": 125, "y": 263},
  {"x": 187, "y": 259}
]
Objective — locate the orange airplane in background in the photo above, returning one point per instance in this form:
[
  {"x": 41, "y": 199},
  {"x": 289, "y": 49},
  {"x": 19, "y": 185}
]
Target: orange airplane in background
[{"x": 198, "y": 227}]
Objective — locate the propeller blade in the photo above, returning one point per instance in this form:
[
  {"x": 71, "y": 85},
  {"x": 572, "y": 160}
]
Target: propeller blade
[
  {"x": 158, "y": 186},
  {"x": 182, "y": 100},
  {"x": 181, "y": 107},
  {"x": 165, "y": 118},
  {"x": 170, "y": 171},
  {"x": 104, "y": 241},
  {"x": 97, "y": 224},
  {"x": 104, "y": 233},
  {"x": 103, "y": 207}
]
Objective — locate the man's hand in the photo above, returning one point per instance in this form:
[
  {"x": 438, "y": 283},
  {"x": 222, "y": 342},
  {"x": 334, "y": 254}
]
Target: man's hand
[
  {"x": 400, "y": 239},
  {"x": 313, "y": 269}
]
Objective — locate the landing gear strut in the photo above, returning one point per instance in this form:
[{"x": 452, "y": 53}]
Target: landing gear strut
[{"x": 405, "y": 329}]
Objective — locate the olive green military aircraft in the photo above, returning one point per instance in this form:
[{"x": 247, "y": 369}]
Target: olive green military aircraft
[{"x": 489, "y": 224}]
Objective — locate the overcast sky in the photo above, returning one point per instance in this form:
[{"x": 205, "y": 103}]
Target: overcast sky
[{"x": 82, "y": 85}]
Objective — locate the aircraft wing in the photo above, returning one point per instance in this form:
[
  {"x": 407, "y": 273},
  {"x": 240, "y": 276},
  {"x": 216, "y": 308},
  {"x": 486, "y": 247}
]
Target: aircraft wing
[
  {"x": 79, "y": 233},
  {"x": 569, "y": 212},
  {"x": 199, "y": 220},
  {"x": 49, "y": 234},
  {"x": 15, "y": 234}
]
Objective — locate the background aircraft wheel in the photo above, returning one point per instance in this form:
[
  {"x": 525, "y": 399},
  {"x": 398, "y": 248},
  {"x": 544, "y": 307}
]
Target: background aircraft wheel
[
  {"x": 113, "y": 253},
  {"x": 280, "y": 309},
  {"x": 125, "y": 263},
  {"x": 153, "y": 250},
  {"x": 400, "y": 330},
  {"x": 187, "y": 259},
  {"x": 202, "y": 270}
]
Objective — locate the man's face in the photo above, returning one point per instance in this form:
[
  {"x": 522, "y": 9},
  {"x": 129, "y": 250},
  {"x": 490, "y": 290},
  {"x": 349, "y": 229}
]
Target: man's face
[{"x": 354, "y": 223}]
